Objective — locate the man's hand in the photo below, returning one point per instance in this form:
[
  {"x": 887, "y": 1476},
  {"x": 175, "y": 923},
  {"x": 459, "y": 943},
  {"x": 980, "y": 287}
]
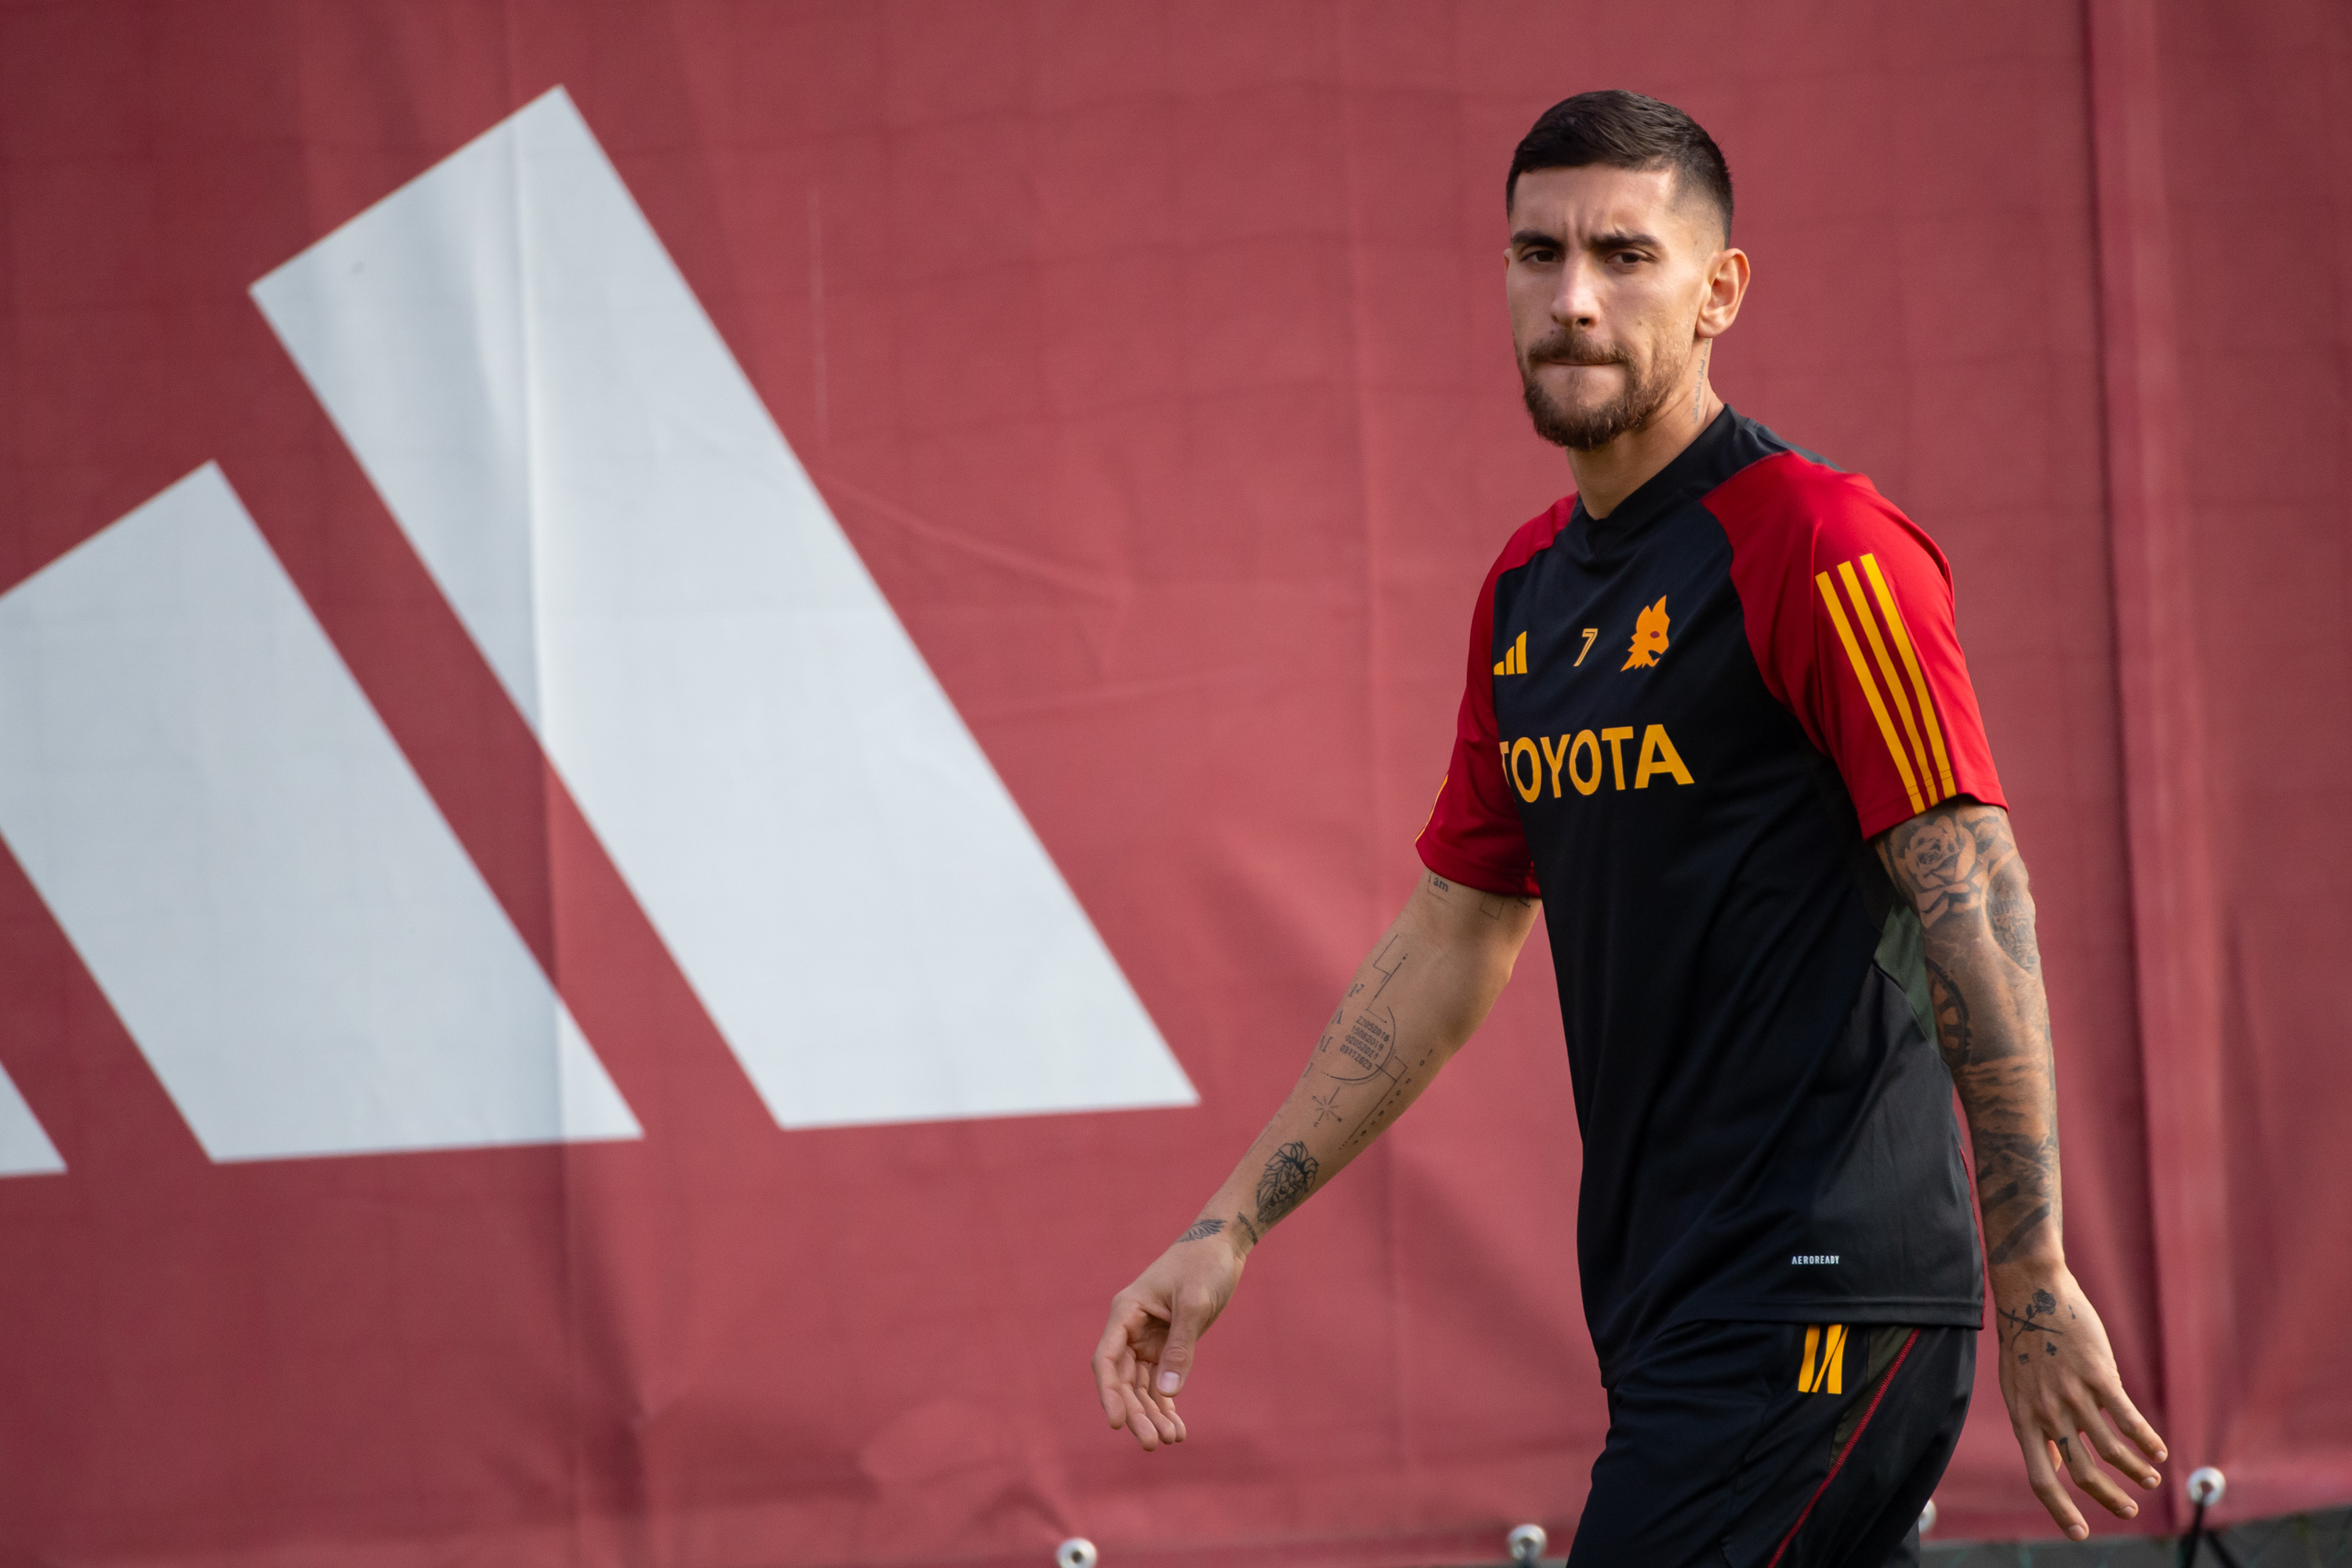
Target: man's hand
[
  {"x": 2058, "y": 1378},
  {"x": 1147, "y": 1348},
  {"x": 1425, "y": 985}
]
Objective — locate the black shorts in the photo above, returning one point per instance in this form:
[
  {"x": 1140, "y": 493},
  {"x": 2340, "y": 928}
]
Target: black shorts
[{"x": 1776, "y": 1445}]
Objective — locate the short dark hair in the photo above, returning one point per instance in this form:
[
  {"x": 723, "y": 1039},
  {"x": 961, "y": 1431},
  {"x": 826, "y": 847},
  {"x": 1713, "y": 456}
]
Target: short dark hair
[{"x": 1625, "y": 131}]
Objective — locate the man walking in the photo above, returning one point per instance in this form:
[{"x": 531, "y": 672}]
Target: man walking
[{"x": 1718, "y": 721}]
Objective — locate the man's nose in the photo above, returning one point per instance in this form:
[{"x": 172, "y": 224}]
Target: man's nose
[{"x": 1576, "y": 303}]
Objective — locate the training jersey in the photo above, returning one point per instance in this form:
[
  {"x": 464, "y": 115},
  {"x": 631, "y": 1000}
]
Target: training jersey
[{"x": 1684, "y": 722}]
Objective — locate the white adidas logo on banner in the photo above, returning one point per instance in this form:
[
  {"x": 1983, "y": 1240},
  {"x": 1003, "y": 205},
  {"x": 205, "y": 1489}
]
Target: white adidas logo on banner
[
  {"x": 563, "y": 435},
  {"x": 253, "y": 873}
]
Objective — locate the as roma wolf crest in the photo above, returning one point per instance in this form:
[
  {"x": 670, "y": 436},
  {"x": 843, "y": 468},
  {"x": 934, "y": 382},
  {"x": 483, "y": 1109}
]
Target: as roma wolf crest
[{"x": 1649, "y": 637}]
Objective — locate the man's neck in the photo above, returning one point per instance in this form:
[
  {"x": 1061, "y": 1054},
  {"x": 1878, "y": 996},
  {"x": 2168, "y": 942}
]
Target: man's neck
[{"x": 1606, "y": 475}]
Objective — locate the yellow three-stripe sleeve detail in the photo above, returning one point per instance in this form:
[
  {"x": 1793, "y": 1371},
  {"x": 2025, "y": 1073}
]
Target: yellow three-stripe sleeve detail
[
  {"x": 1832, "y": 1374},
  {"x": 1805, "y": 1367},
  {"x": 1870, "y": 691},
  {"x": 1902, "y": 635},
  {"x": 1862, "y": 613}
]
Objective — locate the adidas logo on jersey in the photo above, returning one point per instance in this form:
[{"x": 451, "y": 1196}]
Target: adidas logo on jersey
[{"x": 1515, "y": 658}]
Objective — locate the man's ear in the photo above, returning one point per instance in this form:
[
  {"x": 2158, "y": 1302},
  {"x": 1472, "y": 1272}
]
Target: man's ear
[{"x": 1727, "y": 286}]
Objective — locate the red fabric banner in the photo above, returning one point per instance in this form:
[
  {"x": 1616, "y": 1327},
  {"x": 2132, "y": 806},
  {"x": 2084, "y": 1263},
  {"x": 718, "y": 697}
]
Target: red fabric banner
[{"x": 1152, "y": 358}]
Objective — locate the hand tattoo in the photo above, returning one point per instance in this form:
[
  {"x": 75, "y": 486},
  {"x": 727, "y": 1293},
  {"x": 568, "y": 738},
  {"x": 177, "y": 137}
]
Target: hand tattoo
[
  {"x": 1201, "y": 1230},
  {"x": 2039, "y": 1317}
]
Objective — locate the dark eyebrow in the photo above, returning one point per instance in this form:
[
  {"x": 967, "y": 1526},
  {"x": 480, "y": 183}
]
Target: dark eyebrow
[
  {"x": 1622, "y": 239},
  {"x": 1615, "y": 239}
]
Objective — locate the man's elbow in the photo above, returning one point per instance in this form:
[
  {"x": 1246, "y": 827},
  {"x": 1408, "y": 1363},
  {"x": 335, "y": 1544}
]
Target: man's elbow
[{"x": 1476, "y": 969}]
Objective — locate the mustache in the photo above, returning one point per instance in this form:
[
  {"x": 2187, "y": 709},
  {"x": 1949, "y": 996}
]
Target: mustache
[{"x": 1575, "y": 348}]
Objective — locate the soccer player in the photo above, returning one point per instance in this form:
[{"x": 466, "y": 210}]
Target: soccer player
[{"x": 1719, "y": 723}]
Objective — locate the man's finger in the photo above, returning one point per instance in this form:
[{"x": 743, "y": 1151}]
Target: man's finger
[
  {"x": 2114, "y": 1451},
  {"x": 1113, "y": 1374},
  {"x": 1175, "y": 1426},
  {"x": 1115, "y": 1366},
  {"x": 2042, "y": 1474},
  {"x": 2117, "y": 1404},
  {"x": 1138, "y": 1420},
  {"x": 1158, "y": 1413},
  {"x": 1190, "y": 1320},
  {"x": 2093, "y": 1480}
]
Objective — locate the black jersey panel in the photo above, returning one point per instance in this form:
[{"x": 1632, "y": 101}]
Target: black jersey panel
[{"x": 1768, "y": 1133}]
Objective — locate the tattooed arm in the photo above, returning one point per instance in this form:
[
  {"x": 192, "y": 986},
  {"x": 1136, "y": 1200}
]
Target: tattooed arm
[
  {"x": 1427, "y": 984},
  {"x": 1959, "y": 867}
]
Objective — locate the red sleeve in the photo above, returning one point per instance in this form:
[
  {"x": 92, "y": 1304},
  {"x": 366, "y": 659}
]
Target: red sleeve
[
  {"x": 1849, "y": 610},
  {"x": 1473, "y": 835}
]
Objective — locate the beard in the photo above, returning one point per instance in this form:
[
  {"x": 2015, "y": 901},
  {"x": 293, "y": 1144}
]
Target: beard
[{"x": 1583, "y": 429}]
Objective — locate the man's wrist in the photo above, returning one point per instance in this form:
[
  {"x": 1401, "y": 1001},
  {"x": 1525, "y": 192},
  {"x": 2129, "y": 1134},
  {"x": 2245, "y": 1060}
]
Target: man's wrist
[
  {"x": 1232, "y": 1228},
  {"x": 2021, "y": 1275}
]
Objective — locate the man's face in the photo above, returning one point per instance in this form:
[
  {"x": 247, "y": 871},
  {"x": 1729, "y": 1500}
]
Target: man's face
[{"x": 1608, "y": 272}]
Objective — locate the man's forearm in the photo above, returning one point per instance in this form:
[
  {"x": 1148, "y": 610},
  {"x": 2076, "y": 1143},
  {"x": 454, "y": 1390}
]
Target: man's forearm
[
  {"x": 2067, "y": 1402},
  {"x": 1960, "y": 866},
  {"x": 1420, "y": 992}
]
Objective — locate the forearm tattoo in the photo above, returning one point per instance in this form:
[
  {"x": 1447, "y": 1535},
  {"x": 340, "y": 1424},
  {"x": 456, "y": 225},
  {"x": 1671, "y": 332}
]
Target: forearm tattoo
[
  {"x": 1289, "y": 1176},
  {"x": 1368, "y": 1064},
  {"x": 1959, "y": 867}
]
